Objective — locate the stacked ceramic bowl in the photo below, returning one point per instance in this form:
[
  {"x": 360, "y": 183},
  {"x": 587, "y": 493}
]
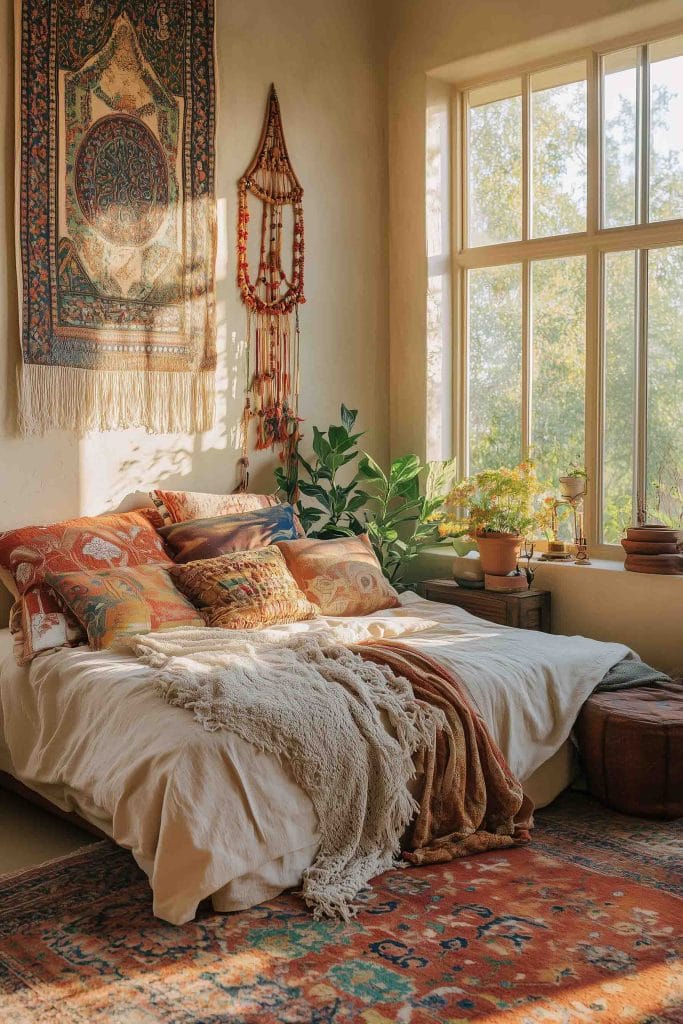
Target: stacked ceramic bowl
[{"x": 653, "y": 548}]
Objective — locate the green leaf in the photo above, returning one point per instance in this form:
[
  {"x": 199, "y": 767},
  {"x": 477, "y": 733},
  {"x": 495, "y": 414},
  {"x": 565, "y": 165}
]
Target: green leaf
[
  {"x": 357, "y": 501},
  {"x": 308, "y": 516},
  {"x": 315, "y": 491},
  {"x": 321, "y": 445},
  {"x": 339, "y": 438},
  {"x": 348, "y": 417},
  {"x": 409, "y": 488},
  {"x": 356, "y": 525},
  {"x": 402, "y": 470},
  {"x": 369, "y": 469}
]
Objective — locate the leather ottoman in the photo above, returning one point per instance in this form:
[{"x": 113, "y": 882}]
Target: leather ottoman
[{"x": 631, "y": 744}]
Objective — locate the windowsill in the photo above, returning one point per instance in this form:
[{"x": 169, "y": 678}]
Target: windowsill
[{"x": 447, "y": 554}]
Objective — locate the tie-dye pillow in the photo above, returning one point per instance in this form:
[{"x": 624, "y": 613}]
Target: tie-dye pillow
[
  {"x": 341, "y": 576},
  {"x": 180, "y": 506},
  {"x": 243, "y": 590},
  {"x": 115, "y": 603},
  {"x": 220, "y": 535}
]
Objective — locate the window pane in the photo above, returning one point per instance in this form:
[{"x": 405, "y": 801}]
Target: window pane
[
  {"x": 666, "y": 129},
  {"x": 620, "y": 397},
  {"x": 558, "y": 311},
  {"x": 495, "y": 164},
  {"x": 495, "y": 367},
  {"x": 436, "y": 184},
  {"x": 664, "y": 495},
  {"x": 438, "y": 369},
  {"x": 558, "y": 163},
  {"x": 620, "y": 125}
]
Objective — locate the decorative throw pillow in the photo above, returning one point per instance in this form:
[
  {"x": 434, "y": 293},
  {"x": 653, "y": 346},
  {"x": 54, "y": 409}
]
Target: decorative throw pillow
[
  {"x": 179, "y": 506},
  {"x": 88, "y": 543},
  {"x": 243, "y": 590},
  {"x": 208, "y": 538},
  {"x": 39, "y": 622},
  {"x": 114, "y": 603},
  {"x": 341, "y": 576}
]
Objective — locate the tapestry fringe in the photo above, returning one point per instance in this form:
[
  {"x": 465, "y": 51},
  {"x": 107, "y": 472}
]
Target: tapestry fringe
[{"x": 71, "y": 398}]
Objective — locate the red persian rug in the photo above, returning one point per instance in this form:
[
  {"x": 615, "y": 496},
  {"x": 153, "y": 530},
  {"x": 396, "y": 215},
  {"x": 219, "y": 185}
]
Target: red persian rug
[{"x": 582, "y": 926}]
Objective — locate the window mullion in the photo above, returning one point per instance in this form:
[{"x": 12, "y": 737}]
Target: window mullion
[
  {"x": 527, "y": 359},
  {"x": 595, "y": 177},
  {"x": 526, "y": 157},
  {"x": 643, "y": 137},
  {"x": 594, "y": 392},
  {"x": 640, "y": 419}
]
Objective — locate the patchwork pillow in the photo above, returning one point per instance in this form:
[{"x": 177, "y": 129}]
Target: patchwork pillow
[
  {"x": 220, "y": 535},
  {"x": 114, "y": 603},
  {"x": 88, "y": 543},
  {"x": 179, "y": 506},
  {"x": 341, "y": 576},
  {"x": 243, "y": 590}
]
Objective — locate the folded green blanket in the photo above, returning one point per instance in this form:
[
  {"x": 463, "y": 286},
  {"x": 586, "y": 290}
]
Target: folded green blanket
[{"x": 630, "y": 673}]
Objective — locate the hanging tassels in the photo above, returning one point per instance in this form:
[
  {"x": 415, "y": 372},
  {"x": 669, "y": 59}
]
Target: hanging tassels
[{"x": 272, "y": 395}]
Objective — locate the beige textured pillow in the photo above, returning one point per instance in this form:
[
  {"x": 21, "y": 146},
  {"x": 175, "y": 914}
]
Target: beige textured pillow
[
  {"x": 243, "y": 590},
  {"x": 341, "y": 576}
]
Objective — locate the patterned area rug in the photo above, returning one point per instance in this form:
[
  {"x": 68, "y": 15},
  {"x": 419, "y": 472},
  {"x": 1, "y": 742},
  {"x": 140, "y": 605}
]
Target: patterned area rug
[{"x": 582, "y": 926}]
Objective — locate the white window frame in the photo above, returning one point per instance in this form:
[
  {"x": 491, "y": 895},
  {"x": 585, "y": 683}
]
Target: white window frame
[{"x": 593, "y": 244}]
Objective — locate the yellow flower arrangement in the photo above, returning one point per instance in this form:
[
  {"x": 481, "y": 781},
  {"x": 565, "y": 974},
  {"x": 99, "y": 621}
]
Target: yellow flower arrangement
[{"x": 497, "y": 501}]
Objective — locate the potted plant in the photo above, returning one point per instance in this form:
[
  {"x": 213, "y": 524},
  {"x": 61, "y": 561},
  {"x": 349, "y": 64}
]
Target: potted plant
[
  {"x": 495, "y": 508},
  {"x": 573, "y": 485}
]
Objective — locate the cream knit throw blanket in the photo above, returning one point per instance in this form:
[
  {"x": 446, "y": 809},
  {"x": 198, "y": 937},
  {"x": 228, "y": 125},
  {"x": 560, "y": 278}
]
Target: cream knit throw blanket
[{"x": 317, "y": 707}]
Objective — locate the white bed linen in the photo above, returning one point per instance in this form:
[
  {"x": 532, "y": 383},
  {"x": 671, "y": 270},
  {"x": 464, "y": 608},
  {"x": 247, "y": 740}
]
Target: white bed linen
[{"x": 206, "y": 814}]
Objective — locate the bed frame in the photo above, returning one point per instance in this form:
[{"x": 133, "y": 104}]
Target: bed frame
[{"x": 14, "y": 786}]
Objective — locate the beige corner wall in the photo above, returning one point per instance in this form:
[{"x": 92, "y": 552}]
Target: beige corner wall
[
  {"x": 324, "y": 59},
  {"x": 645, "y": 612}
]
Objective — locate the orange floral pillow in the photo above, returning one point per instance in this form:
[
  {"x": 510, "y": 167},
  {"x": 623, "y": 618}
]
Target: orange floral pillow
[
  {"x": 114, "y": 603},
  {"x": 90, "y": 543},
  {"x": 180, "y": 506},
  {"x": 341, "y": 576}
]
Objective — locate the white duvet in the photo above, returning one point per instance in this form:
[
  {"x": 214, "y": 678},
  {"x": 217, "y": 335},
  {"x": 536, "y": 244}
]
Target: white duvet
[{"x": 205, "y": 814}]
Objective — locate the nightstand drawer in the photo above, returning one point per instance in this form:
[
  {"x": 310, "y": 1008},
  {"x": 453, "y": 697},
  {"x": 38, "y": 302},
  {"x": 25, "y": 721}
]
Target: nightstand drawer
[{"x": 526, "y": 609}]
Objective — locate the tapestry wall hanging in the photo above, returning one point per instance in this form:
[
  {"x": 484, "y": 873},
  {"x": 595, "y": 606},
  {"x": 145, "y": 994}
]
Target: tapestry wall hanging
[
  {"x": 273, "y": 295},
  {"x": 116, "y": 213}
]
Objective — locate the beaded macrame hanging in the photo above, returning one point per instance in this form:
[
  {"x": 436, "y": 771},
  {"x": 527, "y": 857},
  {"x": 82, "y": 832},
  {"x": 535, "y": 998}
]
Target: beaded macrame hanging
[{"x": 272, "y": 298}]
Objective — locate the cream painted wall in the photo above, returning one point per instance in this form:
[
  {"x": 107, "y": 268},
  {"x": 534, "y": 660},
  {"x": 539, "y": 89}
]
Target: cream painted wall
[
  {"x": 325, "y": 61},
  {"x": 472, "y": 38}
]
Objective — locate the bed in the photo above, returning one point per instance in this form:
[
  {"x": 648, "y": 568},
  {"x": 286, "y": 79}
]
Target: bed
[{"x": 206, "y": 814}]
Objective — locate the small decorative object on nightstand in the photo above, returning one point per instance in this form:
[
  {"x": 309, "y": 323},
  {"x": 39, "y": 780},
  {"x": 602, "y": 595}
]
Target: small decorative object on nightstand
[{"x": 524, "y": 609}]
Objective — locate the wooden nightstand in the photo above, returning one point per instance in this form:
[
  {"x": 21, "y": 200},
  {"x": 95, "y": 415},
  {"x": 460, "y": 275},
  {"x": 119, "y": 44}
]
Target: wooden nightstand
[{"x": 525, "y": 609}]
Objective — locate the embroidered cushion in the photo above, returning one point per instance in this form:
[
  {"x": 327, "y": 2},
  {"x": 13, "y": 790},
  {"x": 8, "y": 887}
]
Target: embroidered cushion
[
  {"x": 341, "y": 576},
  {"x": 114, "y": 603},
  {"x": 208, "y": 538},
  {"x": 179, "y": 506},
  {"x": 90, "y": 543},
  {"x": 243, "y": 590}
]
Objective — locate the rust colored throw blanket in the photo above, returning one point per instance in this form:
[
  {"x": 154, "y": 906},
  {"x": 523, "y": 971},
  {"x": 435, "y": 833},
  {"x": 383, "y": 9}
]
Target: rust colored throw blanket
[{"x": 469, "y": 799}]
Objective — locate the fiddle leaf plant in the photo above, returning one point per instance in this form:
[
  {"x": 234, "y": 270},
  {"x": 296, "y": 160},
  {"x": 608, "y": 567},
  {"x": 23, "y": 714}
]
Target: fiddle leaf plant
[
  {"x": 336, "y": 503},
  {"x": 400, "y": 520}
]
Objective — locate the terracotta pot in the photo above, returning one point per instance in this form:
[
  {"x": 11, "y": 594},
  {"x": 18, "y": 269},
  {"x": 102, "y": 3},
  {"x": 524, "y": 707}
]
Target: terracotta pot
[
  {"x": 499, "y": 552},
  {"x": 653, "y": 533},
  {"x": 572, "y": 486},
  {"x": 643, "y": 547}
]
